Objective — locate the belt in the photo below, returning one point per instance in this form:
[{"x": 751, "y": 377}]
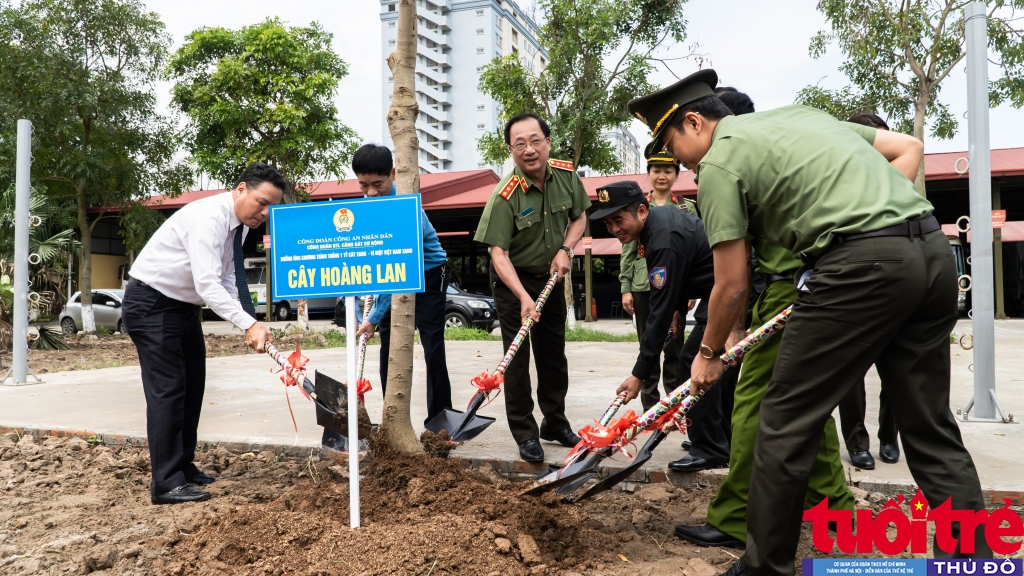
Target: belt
[
  {"x": 773, "y": 278},
  {"x": 910, "y": 228},
  {"x": 522, "y": 272},
  {"x": 138, "y": 282}
]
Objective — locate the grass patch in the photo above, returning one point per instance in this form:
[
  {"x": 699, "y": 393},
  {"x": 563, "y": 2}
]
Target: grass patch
[
  {"x": 465, "y": 333},
  {"x": 590, "y": 335}
]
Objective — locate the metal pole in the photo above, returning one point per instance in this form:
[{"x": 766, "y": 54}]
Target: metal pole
[
  {"x": 981, "y": 212},
  {"x": 353, "y": 412},
  {"x": 22, "y": 191}
]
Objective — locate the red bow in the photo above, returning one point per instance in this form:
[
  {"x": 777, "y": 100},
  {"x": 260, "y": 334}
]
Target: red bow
[
  {"x": 593, "y": 438},
  {"x": 362, "y": 387},
  {"x": 297, "y": 367}
]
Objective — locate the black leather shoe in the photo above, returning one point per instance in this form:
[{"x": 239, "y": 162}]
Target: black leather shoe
[
  {"x": 566, "y": 438},
  {"x": 686, "y": 445},
  {"x": 531, "y": 451},
  {"x": 889, "y": 453},
  {"x": 691, "y": 463},
  {"x": 736, "y": 570},
  {"x": 708, "y": 535},
  {"x": 201, "y": 479},
  {"x": 184, "y": 493},
  {"x": 863, "y": 460}
]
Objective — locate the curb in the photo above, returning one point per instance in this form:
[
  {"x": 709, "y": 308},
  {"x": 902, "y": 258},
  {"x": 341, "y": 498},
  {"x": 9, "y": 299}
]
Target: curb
[{"x": 513, "y": 470}]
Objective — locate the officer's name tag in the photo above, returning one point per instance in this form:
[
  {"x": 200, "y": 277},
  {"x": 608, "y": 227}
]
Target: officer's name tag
[{"x": 524, "y": 213}]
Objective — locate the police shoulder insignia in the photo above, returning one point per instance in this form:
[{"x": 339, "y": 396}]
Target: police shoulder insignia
[
  {"x": 523, "y": 184},
  {"x": 657, "y": 277},
  {"x": 560, "y": 164},
  {"x": 510, "y": 187}
]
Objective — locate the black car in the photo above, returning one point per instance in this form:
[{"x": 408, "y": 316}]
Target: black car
[
  {"x": 462, "y": 309},
  {"x": 466, "y": 309}
]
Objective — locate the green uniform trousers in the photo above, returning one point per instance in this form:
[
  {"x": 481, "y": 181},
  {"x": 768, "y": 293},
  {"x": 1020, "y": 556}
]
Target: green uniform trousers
[
  {"x": 888, "y": 301},
  {"x": 728, "y": 511}
]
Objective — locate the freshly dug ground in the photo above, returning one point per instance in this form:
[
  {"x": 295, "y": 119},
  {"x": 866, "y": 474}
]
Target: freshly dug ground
[{"x": 67, "y": 507}]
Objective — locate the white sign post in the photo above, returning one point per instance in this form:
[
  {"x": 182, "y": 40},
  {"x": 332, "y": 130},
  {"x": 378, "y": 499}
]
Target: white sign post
[{"x": 353, "y": 412}]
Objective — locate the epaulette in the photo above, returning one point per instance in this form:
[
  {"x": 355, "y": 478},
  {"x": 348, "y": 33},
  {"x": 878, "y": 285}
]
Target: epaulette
[
  {"x": 560, "y": 164},
  {"x": 510, "y": 187}
]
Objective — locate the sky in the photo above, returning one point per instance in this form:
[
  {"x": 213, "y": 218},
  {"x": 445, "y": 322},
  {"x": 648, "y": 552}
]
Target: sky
[{"x": 758, "y": 47}]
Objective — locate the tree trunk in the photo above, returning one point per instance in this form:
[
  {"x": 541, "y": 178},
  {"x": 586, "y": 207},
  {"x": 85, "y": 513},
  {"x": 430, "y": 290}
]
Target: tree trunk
[
  {"x": 85, "y": 268},
  {"x": 920, "y": 108},
  {"x": 396, "y": 423}
]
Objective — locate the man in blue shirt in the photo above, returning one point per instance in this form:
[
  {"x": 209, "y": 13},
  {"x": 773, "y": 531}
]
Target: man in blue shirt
[{"x": 375, "y": 171}]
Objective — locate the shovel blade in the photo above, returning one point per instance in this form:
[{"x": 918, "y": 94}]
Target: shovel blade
[
  {"x": 574, "y": 475},
  {"x": 461, "y": 426},
  {"x": 645, "y": 454},
  {"x": 334, "y": 395}
]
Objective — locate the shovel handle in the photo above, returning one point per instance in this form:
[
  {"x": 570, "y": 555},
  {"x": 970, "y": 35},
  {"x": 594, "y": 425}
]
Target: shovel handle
[
  {"x": 681, "y": 395},
  {"x": 527, "y": 324},
  {"x": 361, "y": 352},
  {"x": 282, "y": 360},
  {"x": 610, "y": 412}
]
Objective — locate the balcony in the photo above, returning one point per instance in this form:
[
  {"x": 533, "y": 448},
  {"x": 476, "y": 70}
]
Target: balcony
[
  {"x": 434, "y": 35},
  {"x": 440, "y": 77},
  {"x": 440, "y": 134}
]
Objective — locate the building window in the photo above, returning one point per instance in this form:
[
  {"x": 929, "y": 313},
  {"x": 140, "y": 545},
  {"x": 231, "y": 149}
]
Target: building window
[
  {"x": 391, "y": 42},
  {"x": 479, "y": 68},
  {"x": 480, "y": 107},
  {"x": 479, "y": 30},
  {"x": 479, "y": 12},
  {"x": 478, "y": 50},
  {"x": 391, "y": 24},
  {"x": 479, "y": 126},
  {"x": 391, "y": 78},
  {"x": 391, "y": 7},
  {"x": 106, "y": 238},
  {"x": 515, "y": 38}
]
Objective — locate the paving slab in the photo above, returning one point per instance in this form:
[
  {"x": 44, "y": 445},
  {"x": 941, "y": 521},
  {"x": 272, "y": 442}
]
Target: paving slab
[{"x": 244, "y": 402}]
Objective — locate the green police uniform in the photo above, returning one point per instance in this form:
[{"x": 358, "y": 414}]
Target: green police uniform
[
  {"x": 531, "y": 225},
  {"x": 803, "y": 180},
  {"x": 882, "y": 290},
  {"x": 633, "y": 276},
  {"x": 728, "y": 511}
]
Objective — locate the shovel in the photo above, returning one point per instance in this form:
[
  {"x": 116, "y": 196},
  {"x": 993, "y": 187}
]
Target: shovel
[
  {"x": 335, "y": 394},
  {"x": 462, "y": 426},
  {"x": 678, "y": 398},
  {"x": 577, "y": 460}
]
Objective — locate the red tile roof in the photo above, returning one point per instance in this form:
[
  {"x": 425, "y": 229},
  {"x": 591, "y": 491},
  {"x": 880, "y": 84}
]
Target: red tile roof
[{"x": 1005, "y": 162}]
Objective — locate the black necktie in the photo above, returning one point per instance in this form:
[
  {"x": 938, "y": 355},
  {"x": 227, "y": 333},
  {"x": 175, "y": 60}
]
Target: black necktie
[{"x": 243, "y": 287}]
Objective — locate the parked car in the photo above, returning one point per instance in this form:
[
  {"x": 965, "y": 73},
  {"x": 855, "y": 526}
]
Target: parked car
[
  {"x": 462, "y": 309},
  {"x": 106, "y": 308}
]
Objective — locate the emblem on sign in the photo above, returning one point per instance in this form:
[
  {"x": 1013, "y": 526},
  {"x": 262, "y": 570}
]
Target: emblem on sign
[
  {"x": 344, "y": 219},
  {"x": 657, "y": 277},
  {"x": 602, "y": 196}
]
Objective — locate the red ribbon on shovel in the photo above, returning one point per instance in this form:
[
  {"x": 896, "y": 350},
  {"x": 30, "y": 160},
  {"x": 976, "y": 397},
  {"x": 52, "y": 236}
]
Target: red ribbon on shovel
[
  {"x": 596, "y": 437},
  {"x": 296, "y": 369},
  {"x": 487, "y": 383}
]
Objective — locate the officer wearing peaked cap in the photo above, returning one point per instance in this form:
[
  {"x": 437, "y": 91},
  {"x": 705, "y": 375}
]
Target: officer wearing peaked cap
[
  {"x": 531, "y": 222},
  {"x": 881, "y": 288},
  {"x": 679, "y": 264}
]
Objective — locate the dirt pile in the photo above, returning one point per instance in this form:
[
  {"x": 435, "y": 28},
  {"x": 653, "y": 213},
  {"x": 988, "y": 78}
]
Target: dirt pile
[{"x": 418, "y": 513}]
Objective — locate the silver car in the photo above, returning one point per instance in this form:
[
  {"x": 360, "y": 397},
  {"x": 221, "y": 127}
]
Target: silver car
[{"x": 106, "y": 307}]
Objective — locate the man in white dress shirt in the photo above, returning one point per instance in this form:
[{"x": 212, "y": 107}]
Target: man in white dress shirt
[{"x": 195, "y": 258}]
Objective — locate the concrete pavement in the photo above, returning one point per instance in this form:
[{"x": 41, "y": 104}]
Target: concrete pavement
[{"x": 244, "y": 401}]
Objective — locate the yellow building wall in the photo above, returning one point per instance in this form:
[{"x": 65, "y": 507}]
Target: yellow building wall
[{"x": 104, "y": 270}]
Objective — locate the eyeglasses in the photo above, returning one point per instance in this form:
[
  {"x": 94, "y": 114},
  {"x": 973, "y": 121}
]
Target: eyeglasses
[{"x": 520, "y": 146}]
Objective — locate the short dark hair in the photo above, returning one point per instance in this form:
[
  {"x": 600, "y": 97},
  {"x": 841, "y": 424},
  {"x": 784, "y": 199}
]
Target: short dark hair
[
  {"x": 735, "y": 100},
  {"x": 651, "y": 165},
  {"x": 258, "y": 173},
  {"x": 372, "y": 159},
  {"x": 709, "y": 107},
  {"x": 635, "y": 206},
  {"x": 868, "y": 119},
  {"x": 519, "y": 118}
]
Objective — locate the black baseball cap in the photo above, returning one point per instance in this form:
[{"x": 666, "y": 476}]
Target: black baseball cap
[{"x": 615, "y": 196}]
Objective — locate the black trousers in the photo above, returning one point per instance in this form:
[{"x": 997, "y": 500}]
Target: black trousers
[
  {"x": 430, "y": 307},
  {"x": 649, "y": 395},
  {"x": 888, "y": 301},
  {"x": 852, "y": 411},
  {"x": 710, "y": 420},
  {"x": 548, "y": 339},
  {"x": 168, "y": 335}
]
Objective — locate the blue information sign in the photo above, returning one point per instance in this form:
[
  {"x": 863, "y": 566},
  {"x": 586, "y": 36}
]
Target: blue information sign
[{"x": 347, "y": 247}]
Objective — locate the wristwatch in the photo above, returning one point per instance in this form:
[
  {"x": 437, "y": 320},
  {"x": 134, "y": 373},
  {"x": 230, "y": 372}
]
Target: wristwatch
[
  {"x": 707, "y": 352},
  {"x": 568, "y": 251}
]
